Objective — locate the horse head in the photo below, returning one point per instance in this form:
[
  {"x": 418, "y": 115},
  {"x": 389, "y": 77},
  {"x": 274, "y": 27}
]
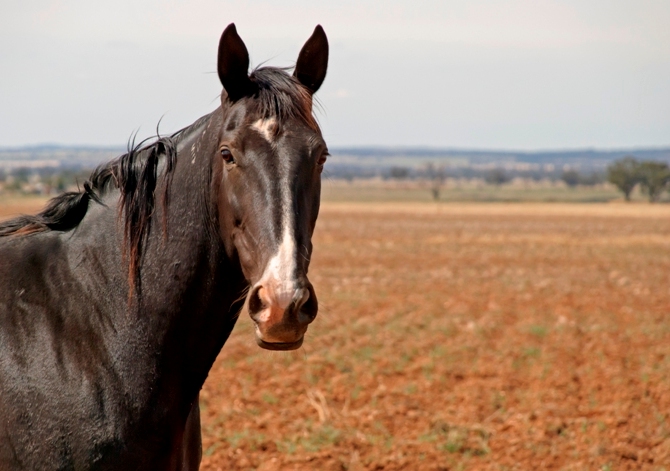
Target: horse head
[{"x": 271, "y": 155}]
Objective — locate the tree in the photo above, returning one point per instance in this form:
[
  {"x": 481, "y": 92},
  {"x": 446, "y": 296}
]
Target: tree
[
  {"x": 624, "y": 175},
  {"x": 592, "y": 179},
  {"x": 437, "y": 176},
  {"x": 497, "y": 176},
  {"x": 571, "y": 177},
  {"x": 654, "y": 178},
  {"x": 399, "y": 173}
]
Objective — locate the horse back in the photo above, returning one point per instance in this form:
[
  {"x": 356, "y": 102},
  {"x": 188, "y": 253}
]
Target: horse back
[{"x": 53, "y": 358}]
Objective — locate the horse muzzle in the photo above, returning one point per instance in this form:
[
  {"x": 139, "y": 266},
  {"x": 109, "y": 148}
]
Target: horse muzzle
[{"x": 282, "y": 312}]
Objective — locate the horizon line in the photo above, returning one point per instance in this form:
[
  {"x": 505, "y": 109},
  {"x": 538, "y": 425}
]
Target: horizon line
[{"x": 425, "y": 148}]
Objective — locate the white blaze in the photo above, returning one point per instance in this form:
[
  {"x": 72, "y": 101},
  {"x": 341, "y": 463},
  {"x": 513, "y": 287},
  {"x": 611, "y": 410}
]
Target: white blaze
[
  {"x": 265, "y": 127},
  {"x": 280, "y": 270},
  {"x": 279, "y": 274}
]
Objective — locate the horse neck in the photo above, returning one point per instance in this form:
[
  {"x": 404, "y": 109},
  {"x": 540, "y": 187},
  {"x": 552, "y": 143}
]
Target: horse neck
[
  {"x": 188, "y": 283},
  {"x": 171, "y": 328}
]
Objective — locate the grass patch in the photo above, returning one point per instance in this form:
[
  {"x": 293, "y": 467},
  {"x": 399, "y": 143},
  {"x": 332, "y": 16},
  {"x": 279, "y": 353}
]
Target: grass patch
[
  {"x": 539, "y": 331},
  {"x": 313, "y": 441},
  {"x": 238, "y": 439},
  {"x": 269, "y": 398},
  {"x": 458, "y": 440}
]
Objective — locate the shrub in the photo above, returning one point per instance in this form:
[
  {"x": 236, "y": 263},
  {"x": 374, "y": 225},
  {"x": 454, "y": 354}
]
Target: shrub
[
  {"x": 624, "y": 175},
  {"x": 654, "y": 178}
]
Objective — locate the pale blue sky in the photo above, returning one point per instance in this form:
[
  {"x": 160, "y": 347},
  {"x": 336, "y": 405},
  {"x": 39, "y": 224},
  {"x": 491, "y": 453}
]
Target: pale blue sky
[{"x": 526, "y": 74}]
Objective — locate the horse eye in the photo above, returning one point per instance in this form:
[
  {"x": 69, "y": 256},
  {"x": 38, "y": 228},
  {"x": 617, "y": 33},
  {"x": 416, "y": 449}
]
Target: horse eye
[
  {"x": 227, "y": 156},
  {"x": 322, "y": 159}
]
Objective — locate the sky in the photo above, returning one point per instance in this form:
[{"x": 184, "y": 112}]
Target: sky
[{"x": 518, "y": 74}]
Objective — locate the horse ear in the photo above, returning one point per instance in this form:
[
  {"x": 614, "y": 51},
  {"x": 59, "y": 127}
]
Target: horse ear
[
  {"x": 233, "y": 65},
  {"x": 313, "y": 60}
]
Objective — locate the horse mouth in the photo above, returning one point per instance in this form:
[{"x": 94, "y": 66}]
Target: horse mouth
[{"x": 279, "y": 345}]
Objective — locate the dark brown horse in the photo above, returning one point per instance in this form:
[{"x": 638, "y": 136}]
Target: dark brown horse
[{"x": 115, "y": 301}]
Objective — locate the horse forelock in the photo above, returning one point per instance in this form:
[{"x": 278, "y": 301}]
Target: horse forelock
[{"x": 280, "y": 96}]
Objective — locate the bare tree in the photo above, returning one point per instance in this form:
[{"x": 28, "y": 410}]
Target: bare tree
[{"x": 437, "y": 174}]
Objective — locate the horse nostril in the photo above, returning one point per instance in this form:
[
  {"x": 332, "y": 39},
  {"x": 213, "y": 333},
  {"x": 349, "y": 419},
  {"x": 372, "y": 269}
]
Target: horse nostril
[
  {"x": 256, "y": 304},
  {"x": 300, "y": 298},
  {"x": 309, "y": 306}
]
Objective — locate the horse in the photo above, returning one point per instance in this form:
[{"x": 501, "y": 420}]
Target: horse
[{"x": 116, "y": 299}]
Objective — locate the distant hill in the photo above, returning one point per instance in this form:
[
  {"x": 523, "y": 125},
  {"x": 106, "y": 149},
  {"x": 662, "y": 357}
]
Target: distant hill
[
  {"x": 365, "y": 160},
  {"x": 56, "y": 156},
  {"x": 379, "y": 160},
  {"x": 580, "y": 157}
]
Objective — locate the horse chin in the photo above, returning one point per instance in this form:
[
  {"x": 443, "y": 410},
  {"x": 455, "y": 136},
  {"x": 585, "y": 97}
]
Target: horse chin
[{"x": 279, "y": 345}]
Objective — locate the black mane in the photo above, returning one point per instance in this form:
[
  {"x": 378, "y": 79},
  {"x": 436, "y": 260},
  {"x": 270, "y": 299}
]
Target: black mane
[
  {"x": 282, "y": 96},
  {"x": 134, "y": 173}
]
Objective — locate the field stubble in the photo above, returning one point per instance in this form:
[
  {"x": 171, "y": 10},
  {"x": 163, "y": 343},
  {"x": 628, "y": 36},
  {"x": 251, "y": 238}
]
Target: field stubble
[{"x": 462, "y": 336}]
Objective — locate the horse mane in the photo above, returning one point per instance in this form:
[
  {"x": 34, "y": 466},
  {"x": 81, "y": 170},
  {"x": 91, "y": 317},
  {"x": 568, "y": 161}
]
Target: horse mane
[
  {"x": 282, "y": 96},
  {"x": 135, "y": 174}
]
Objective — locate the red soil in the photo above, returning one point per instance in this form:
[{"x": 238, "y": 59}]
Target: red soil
[{"x": 466, "y": 337}]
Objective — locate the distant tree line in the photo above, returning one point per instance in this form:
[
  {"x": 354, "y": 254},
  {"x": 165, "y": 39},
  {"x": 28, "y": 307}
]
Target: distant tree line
[
  {"x": 653, "y": 177},
  {"x": 436, "y": 175},
  {"x": 493, "y": 176},
  {"x": 46, "y": 180}
]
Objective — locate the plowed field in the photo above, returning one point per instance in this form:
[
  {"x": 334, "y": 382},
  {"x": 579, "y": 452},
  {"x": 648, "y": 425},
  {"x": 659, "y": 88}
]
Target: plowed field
[{"x": 467, "y": 336}]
